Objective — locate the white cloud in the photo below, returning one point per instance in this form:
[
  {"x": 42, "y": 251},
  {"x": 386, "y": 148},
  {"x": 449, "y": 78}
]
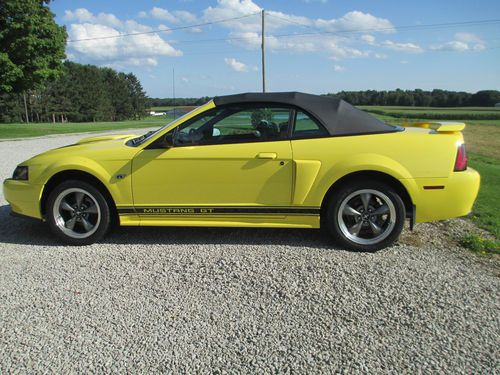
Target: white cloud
[
  {"x": 83, "y": 15},
  {"x": 339, "y": 52},
  {"x": 164, "y": 29},
  {"x": 138, "y": 50},
  {"x": 403, "y": 47},
  {"x": 450, "y": 46},
  {"x": 299, "y": 44},
  {"x": 468, "y": 38},
  {"x": 463, "y": 42},
  {"x": 162, "y": 14},
  {"x": 380, "y": 56},
  {"x": 245, "y": 32},
  {"x": 231, "y": 9},
  {"x": 185, "y": 16},
  {"x": 176, "y": 16},
  {"x": 367, "y": 38},
  {"x": 356, "y": 20},
  {"x": 338, "y": 68},
  {"x": 236, "y": 65}
]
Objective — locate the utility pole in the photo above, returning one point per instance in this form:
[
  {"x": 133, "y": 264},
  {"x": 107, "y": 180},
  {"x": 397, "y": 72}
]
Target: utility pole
[
  {"x": 173, "y": 89},
  {"x": 26, "y": 108},
  {"x": 263, "y": 45}
]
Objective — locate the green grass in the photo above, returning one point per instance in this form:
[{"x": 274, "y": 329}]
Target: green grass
[
  {"x": 38, "y": 130},
  {"x": 460, "y": 113},
  {"x": 480, "y": 245},
  {"x": 487, "y": 207}
]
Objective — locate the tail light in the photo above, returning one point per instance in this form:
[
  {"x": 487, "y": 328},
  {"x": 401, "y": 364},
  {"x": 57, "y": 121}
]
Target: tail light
[{"x": 461, "y": 160}]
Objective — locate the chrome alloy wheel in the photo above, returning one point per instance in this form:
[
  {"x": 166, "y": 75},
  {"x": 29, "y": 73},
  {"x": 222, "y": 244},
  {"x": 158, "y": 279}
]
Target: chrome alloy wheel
[
  {"x": 366, "y": 216},
  {"x": 76, "y": 213}
]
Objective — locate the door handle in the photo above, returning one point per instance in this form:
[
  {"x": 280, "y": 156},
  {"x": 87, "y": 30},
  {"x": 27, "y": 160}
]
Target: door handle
[{"x": 267, "y": 155}]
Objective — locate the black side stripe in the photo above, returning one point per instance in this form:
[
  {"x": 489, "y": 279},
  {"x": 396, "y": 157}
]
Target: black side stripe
[{"x": 177, "y": 210}]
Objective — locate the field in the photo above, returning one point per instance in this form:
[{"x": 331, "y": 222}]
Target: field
[
  {"x": 9, "y": 131},
  {"x": 482, "y": 136}
]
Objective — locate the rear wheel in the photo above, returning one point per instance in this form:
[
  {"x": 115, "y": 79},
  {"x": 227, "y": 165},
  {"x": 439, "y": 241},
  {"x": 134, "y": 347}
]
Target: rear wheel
[
  {"x": 365, "y": 216},
  {"x": 78, "y": 213}
]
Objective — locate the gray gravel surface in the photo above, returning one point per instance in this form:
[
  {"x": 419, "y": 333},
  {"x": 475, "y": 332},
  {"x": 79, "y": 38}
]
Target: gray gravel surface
[{"x": 187, "y": 300}]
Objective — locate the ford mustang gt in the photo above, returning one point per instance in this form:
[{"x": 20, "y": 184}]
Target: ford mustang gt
[{"x": 288, "y": 160}]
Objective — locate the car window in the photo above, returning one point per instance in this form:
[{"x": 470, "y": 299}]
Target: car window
[
  {"x": 234, "y": 125},
  {"x": 307, "y": 127}
]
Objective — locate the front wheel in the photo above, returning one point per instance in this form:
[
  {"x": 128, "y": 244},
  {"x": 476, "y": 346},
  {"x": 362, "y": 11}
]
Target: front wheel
[
  {"x": 365, "y": 216},
  {"x": 78, "y": 213}
]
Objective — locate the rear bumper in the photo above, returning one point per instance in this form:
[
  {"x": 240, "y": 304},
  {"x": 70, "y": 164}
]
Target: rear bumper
[
  {"x": 23, "y": 197},
  {"x": 454, "y": 196}
]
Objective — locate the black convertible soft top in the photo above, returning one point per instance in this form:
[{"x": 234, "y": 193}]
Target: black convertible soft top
[{"x": 336, "y": 115}]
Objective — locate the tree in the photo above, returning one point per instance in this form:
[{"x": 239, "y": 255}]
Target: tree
[
  {"x": 487, "y": 98},
  {"x": 137, "y": 95},
  {"x": 31, "y": 45}
]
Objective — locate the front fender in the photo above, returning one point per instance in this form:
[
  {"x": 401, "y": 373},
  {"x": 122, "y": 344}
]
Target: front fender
[{"x": 119, "y": 188}]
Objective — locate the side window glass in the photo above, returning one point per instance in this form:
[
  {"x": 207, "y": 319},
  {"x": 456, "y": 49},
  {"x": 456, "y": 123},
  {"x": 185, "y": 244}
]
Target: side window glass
[
  {"x": 195, "y": 131},
  {"x": 235, "y": 125},
  {"x": 306, "y": 127},
  {"x": 256, "y": 124}
]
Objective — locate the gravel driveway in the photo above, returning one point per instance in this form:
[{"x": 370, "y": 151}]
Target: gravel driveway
[{"x": 183, "y": 300}]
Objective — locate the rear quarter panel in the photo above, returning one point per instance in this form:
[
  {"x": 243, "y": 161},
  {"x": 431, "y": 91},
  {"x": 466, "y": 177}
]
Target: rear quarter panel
[{"x": 407, "y": 155}]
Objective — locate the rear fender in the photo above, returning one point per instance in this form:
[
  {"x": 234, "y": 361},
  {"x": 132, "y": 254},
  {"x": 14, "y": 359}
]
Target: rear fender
[{"x": 359, "y": 163}]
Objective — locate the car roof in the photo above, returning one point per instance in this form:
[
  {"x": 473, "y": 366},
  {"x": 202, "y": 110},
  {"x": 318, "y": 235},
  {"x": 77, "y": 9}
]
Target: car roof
[{"x": 336, "y": 115}]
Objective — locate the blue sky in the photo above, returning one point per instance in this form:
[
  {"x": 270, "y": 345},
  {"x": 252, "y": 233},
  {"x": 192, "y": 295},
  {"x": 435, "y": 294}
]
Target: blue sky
[{"x": 315, "y": 46}]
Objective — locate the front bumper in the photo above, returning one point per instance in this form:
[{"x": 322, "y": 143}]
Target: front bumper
[
  {"x": 454, "y": 200},
  {"x": 23, "y": 197}
]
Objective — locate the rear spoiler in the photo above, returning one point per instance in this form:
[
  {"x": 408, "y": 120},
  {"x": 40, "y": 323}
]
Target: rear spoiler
[{"x": 440, "y": 126}]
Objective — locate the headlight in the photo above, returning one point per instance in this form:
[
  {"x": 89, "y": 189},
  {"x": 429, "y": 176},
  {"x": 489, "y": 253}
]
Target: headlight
[{"x": 20, "y": 173}]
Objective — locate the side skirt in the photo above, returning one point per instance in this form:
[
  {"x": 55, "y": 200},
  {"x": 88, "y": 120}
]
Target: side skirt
[{"x": 277, "y": 217}]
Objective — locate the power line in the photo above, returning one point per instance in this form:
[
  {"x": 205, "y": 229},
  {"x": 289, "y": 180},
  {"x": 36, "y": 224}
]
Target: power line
[
  {"x": 339, "y": 32},
  {"x": 294, "y": 22},
  {"x": 164, "y": 30}
]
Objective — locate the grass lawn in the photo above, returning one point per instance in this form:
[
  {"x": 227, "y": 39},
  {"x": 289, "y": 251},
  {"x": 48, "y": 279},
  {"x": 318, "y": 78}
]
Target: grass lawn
[
  {"x": 487, "y": 208},
  {"x": 38, "y": 130}
]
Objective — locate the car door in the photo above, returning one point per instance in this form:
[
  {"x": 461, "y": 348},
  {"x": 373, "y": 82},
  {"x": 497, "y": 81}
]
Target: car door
[{"x": 233, "y": 158}]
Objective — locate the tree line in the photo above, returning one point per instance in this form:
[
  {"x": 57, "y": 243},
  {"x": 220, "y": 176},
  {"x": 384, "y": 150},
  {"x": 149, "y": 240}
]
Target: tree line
[
  {"x": 398, "y": 97},
  {"x": 81, "y": 93},
  {"x": 169, "y": 102},
  {"x": 421, "y": 98}
]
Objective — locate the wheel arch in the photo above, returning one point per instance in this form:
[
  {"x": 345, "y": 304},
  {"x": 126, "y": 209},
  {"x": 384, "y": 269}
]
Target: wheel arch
[
  {"x": 372, "y": 176},
  {"x": 74, "y": 174}
]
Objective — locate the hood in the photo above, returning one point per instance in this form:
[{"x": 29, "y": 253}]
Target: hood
[{"x": 105, "y": 138}]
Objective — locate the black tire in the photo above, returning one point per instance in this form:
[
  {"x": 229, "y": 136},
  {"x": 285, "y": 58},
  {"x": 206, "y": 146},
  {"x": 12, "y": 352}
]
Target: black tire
[
  {"x": 343, "y": 227},
  {"x": 71, "y": 226}
]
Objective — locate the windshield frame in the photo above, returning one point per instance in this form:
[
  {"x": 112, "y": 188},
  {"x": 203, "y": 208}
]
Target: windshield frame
[{"x": 150, "y": 135}]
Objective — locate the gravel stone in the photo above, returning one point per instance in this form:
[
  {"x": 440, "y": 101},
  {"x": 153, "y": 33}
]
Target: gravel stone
[{"x": 234, "y": 300}]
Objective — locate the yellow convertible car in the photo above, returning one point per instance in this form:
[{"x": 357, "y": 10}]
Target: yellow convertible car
[{"x": 288, "y": 160}]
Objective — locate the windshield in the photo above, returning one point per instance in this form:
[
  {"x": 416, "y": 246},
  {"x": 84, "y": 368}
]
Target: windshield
[{"x": 134, "y": 142}]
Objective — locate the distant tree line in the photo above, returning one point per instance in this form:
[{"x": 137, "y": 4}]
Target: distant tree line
[
  {"x": 421, "y": 98},
  {"x": 80, "y": 93},
  {"x": 169, "y": 102}
]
